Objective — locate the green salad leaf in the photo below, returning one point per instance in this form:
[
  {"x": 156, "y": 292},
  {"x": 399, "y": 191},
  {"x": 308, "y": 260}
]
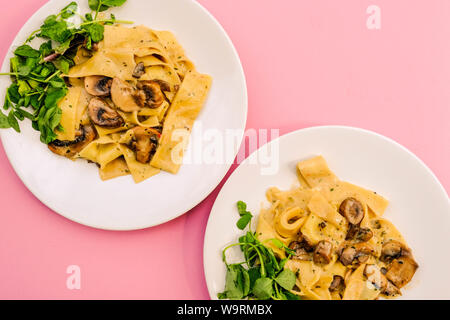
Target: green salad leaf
[
  {"x": 262, "y": 274},
  {"x": 286, "y": 279},
  {"x": 69, "y": 10},
  {"x": 37, "y": 74},
  {"x": 27, "y": 51},
  {"x": 263, "y": 288},
  {"x": 103, "y": 5},
  {"x": 95, "y": 31},
  {"x": 4, "y": 123},
  {"x": 246, "y": 216}
]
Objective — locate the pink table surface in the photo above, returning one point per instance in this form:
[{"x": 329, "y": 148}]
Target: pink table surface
[{"x": 307, "y": 63}]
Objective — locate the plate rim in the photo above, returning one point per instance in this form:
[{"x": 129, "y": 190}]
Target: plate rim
[
  {"x": 207, "y": 191},
  {"x": 307, "y": 129}
]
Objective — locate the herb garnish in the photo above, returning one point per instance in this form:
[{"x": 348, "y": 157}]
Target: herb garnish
[
  {"x": 37, "y": 73},
  {"x": 264, "y": 276}
]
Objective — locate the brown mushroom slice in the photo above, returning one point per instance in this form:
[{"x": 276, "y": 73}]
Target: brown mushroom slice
[
  {"x": 401, "y": 271},
  {"x": 392, "y": 250},
  {"x": 164, "y": 85},
  {"x": 361, "y": 257},
  {"x": 303, "y": 249},
  {"x": 139, "y": 70},
  {"x": 98, "y": 85},
  {"x": 391, "y": 290},
  {"x": 352, "y": 210},
  {"x": 355, "y": 254},
  {"x": 337, "y": 283},
  {"x": 364, "y": 234},
  {"x": 69, "y": 149},
  {"x": 355, "y": 232},
  {"x": 306, "y": 243},
  {"x": 143, "y": 149},
  {"x": 364, "y": 251},
  {"x": 374, "y": 275},
  {"x": 347, "y": 256},
  {"x": 352, "y": 231},
  {"x": 322, "y": 252},
  {"x": 300, "y": 252},
  {"x": 128, "y": 98},
  {"x": 146, "y": 141},
  {"x": 149, "y": 94},
  {"x": 103, "y": 115},
  {"x": 123, "y": 96}
]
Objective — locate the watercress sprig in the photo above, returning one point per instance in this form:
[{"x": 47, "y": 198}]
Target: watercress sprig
[
  {"x": 261, "y": 275},
  {"x": 36, "y": 73}
]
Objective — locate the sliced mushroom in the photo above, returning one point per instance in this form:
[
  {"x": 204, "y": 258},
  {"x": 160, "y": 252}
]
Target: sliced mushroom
[
  {"x": 70, "y": 148},
  {"x": 143, "y": 148},
  {"x": 306, "y": 243},
  {"x": 352, "y": 231},
  {"x": 300, "y": 252},
  {"x": 402, "y": 265},
  {"x": 322, "y": 252},
  {"x": 355, "y": 232},
  {"x": 103, "y": 115},
  {"x": 352, "y": 210},
  {"x": 146, "y": 142},
  {"x": 391, "y": 250},
  {"x": 128, "y": 98},
  {"x": 337, "y": 283},
  {"x": 139, "y": 70},
  {"x": 364, "y": 234},
  {"x": 355, "y": 254},
  {"x": 347, "y": 256},
  {"x": 122, "y": 94},
  {"x": 164, "y": 85},
  {"x": 98, "y": 85},
  {"x": 374, "y": 275},
  {"x": 401, "y": 271},
  {"x": 303, "y": 249},
  {"x": 364, "y": 249},
  {"x": 391, "y": 290},
  {"x": 361, "y": 257},
  {"x": 149, "y": 94}
]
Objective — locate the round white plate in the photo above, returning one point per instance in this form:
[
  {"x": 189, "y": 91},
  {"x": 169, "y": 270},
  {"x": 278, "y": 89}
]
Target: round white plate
[
  {"x": 74, "y": 189},
  {"x": 419, "y": 205}
]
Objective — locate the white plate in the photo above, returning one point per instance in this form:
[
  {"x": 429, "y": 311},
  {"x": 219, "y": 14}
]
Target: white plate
[
  {"x": 75, "y": 190},
  {"x": 419, "y": 205}
]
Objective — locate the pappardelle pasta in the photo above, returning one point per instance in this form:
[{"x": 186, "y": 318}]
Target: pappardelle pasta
[
  {"x": 127, "y": 99},
  {"x": 324, "y": 240},
  {"x": 344, "y": 248}
]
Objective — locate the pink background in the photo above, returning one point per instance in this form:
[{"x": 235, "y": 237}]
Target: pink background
[{"x": 307, "y": 63}]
